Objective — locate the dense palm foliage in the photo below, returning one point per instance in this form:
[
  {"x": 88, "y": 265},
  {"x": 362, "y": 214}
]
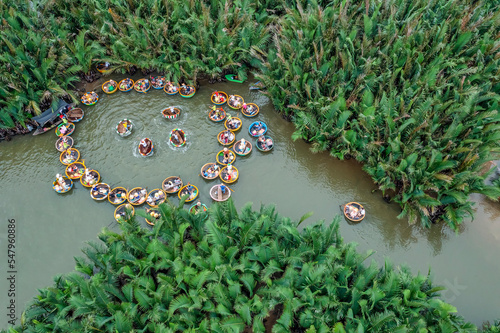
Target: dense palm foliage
[{"x": 226, "y": 272}]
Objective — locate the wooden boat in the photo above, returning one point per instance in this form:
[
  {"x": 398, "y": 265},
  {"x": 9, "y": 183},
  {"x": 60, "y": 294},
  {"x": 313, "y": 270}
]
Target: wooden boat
[
  {"x": 217, "y": 194},
  {"x": 69, "y": 156},
  {"x": 354, "y": 211},
  {"x": 67, "y": 128},
  {"x": 218, "y": 97},
  {"x": 103, "y": 67},
  {"x": 196, "y": 209},
  {"x": 124, "y": 127},
  {"x": 51, "y": 117},
  {"x": 187, "y": 91},
  {"x": 64, "y": 142},
  {"x": 233, "y": 78},
  {"x": 142, "y": 85},
  {"x": 171, "y": 112},
  {"x": 226, "y": 137},
  {"x": 235, "y": 102},
  {"x": 118, "y": 195},
  {"x": 210, "y": 171},
  {"x": 257, "y": 128},
  {"x": 257, "y": 86},
  {"x": 137, "y": 196},
  {"x": 158, "y": 82},
  {"x": 265, "y": 145},
  {"x": 229, "y": 177},
  {"x": 75, "y": 115},
  {"x": 90, "y": 178},
  {"x": 90, "y": 98},
  {"x": 156, "y": 197},
  {"x": 220, "y": 158},
  {"x": 109, "y": 87},
  {"x": 153, "y": 216},
  {"x": 100, "y": 191},
  {"x": 233, "y": 124},
  {"x": 185, "y": 191},
  {"x": 242, "y": 148},
  {"x": 177, "y": 137},
  {"x": 251, "y": 110},
  {"x": 124, "y": 212},
  {"x": 172, "y": 184},
  {"x": 64, "y": 186},
  {"x": 75, "y": 170},
  {"x": 146, "y": 147},
  {"x": 217, "y": 117},
  {"x": 171, "y": 88},
  {"x": 126, "y": 85}
]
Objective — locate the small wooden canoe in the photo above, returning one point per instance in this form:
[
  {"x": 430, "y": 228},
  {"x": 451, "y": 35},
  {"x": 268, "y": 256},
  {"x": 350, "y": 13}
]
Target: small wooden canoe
[
  {"x": 198, "y": 208},
  {"x": 233, "y": 124},
  {"x": 171, "y": 88},
  {"x": 109, "y": 87},
  {"x": 153, "y": 216},
  {"x": 265, "y": 144},
  {"x": 62, "y": 186},
  {"x": 69, "y": 156},
  {"x": 65, "y": 129},
  {"x": 171, "y": 184},
  {"x": 225, "y": 160},
  {"x": 229, "y": 176},
  {"x": 126, "y": 85},
  {"x": 137, "y": 196},
  {"x": 210, "y": 171},
  {"x": 190, "y": 190},
  {"x": 158, "y": 82},
  {"x": 235, "y": 102},
  {"x": 251, "y": 110},
  {"x": 64, "y": 142},
  {"x": 220, "y": 192},
  {"x": 142, "y": 85},
  {"x": 156, "y": 197},
  {"x": 187, "y": 91},
  {"x": 218, "y": 97},
  {"x": 233, "y": 78},
  {"x": 124, "y": 127},
  {"x": 226, "y": 137},
  {"x": 100, "y": 191},
  {"x": 257, "y": 128},
  {"x": 146, "y": 147},
  {"x": 118, "y": 195},
  {"x": 217, "y": 115},
  {"x": 75, "y": 115},
  {"x": 103, "y": 67},
  {"x": 90, "y": 98},
  {"x": 171, "y": 112},
  {"x": 354, "y": 212},
  {"x": 242, "y": 148},
  {"x": 75, "y": 170},
  {"x": 177, "y": 137},
  {"x": 124, "y": 212},
  {"x": 90, "y": 178}
]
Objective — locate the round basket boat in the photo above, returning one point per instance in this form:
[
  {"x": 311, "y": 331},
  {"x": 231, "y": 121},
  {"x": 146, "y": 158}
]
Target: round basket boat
[
  {"x": 225, "y": 161},
  {"x": 242, "y": 148},
  {"x": 103, "y": 67},
  {"x": 235, "y": 102},
  {"x": 229, "y": 177},
  {"x": 142, "y": 85},
  {"x": 118, "y": 195},
  {"x": 171, "y": 184},
  {"x": 64, "y": 142},
  {"x": 226, "y": 137},
  {"x": 65, "y": 129},
  {"x": 75, "y": 170},
  {"x": 233, "y": 124},
  {"x": 210, "y": 171},
  {"x": 147, "y": 149},
  {"x": 266, "y": 144},
  {"x": 218, "y": 97},
  {"x": 75, "y": 115},
  {"x": 196, "y": 209},
  {"x": 62, "y": 187},
  {"x": 124, "y": 127},
  {"x": 100, "y": 191},
  {"x": 187, "y": 91},
  {"x": 124, "y": 212},
  {"x": 156, "y": 197},
  {"x": 354, "y": 212},
  {"x": 220, "y": 192},
  {"x": 193, "y": 193},
  {"x": 257, "y": 128},
  {"x": 171, "y": 88},
  {"x": 69, "y": 156},
  {"x": 109, "y": 87},
  {"x": 251, "y": 110},
  {"x": 217, "y": 115},
  {"x": 158, "y": 82},
  {"x": 126, "y": 85},
  {"x": 90, "y": 98},
  {"x": 137, "y": 196},
  {"x": 171, "y": 113},
  {"x": 153, "y": 216},
  {"x": 91, "y": 178},
  {"x": 177, "y": 137}
]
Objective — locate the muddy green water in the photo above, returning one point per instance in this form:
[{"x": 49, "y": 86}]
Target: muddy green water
[{"x": 51, "y": 229}]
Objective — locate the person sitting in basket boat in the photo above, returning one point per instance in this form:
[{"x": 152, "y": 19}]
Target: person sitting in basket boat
[
  {"x": 226, "y": 156},
  {"x": 257, "y": 128},
  {"x": 197, "y": 207},
  {"x": 242, "y": 145},
  {"x": 177, "y": 137},
  {"x": 269, "y": 143},
  {"x": 223, "y": 188},
  {"x": 126, "y": 84},
  {"x": 110, "y": 87},
  {"x": 244, "y": 107}
]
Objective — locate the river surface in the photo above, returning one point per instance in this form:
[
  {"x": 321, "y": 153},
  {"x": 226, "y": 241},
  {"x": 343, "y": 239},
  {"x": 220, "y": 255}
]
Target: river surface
[{"x": 51, "y": 228}]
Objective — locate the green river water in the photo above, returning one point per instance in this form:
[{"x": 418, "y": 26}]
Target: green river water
[{"x": 50, "y": 229}]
